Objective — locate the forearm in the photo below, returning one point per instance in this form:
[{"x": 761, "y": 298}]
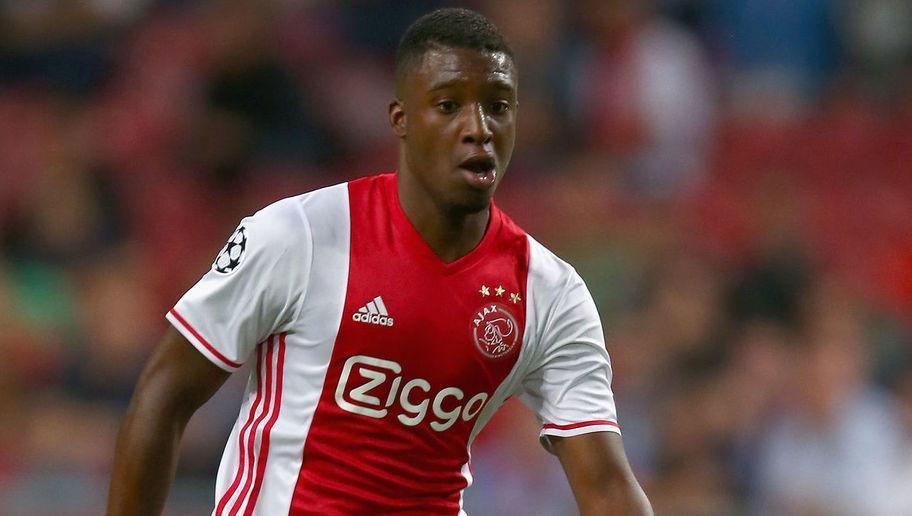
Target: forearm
[
  {"x": 621, "y": 498},
  {"x": 145, "y": 458}
]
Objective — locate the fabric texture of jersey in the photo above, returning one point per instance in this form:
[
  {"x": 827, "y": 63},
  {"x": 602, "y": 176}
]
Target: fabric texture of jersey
[{"x": 374, "y": 363}]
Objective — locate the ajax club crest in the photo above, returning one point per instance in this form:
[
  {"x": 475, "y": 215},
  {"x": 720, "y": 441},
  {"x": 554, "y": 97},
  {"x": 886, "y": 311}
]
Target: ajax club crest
[{"x": 494, "y": 330}]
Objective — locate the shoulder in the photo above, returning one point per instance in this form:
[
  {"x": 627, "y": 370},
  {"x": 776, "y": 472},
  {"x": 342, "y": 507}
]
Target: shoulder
[
  {"x": 288, "y": 224},
  {"x": 291, "y": 211},
  {"x": 558, "y": 300},
  {"x": 549, "y": 276},
  {"x": 307, "y": 208},
  {"x": 548, "y": 272}
]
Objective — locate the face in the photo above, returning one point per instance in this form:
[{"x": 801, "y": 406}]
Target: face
[{"x": 456, "y": 119}]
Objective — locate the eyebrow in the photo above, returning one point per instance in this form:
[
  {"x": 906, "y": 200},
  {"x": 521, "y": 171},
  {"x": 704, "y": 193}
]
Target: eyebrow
[
  {"x": 497, "y": 83},
  {"x": 444, "y": 84}
]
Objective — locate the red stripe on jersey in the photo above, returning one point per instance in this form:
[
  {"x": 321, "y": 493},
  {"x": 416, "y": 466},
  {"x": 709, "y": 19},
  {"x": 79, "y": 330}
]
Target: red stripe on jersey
[
  {"x": 264, "y": 444},
  {"x": 203, "y": 341},
  {"x": 405, "y": 384},
  {"x": 251, "y": 437},
  {"x": 581, "y": 425},
  {"x": 241, "y": 457}
]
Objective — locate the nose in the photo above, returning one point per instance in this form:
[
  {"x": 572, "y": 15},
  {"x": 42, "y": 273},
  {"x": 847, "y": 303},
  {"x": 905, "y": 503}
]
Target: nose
[{"x": 476, "y": 129}]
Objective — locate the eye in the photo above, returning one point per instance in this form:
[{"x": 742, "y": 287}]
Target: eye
[
  {"x": 447, "y": 106},
  {"x": 500, "y": 107}
]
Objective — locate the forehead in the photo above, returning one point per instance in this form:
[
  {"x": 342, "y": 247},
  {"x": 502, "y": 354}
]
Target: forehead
[{"x": 444, "y": 67}]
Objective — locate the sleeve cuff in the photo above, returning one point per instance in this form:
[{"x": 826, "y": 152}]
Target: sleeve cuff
[
  {"x": 602, "y": 425},
  {"x": 570, "y": 430},
  {"x": 200, "y": 343}
]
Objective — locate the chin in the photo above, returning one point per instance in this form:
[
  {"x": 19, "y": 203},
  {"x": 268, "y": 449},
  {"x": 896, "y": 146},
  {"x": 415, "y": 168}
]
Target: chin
[{"x": 474, "y": 203}]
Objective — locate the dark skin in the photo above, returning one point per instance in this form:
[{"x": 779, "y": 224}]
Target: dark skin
[
  {"x": 452, "y": 106},
  {"x": 599, "y": 474},
  {"x": 455, "y": 104},
  {"x": 176, "y": 381}
]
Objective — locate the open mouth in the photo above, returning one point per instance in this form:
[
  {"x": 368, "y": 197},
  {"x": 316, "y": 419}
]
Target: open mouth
[
  {"x": 479, "y": 171},
  {"x": 480, "y": 165}
]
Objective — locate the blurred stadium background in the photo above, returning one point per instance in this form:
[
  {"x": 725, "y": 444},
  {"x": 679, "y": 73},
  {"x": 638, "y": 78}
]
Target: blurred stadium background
[{"x": 733, "y": 178}]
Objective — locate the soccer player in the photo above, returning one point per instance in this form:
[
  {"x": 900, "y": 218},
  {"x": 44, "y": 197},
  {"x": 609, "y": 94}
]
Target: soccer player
[{"x": 386, "y": 319}]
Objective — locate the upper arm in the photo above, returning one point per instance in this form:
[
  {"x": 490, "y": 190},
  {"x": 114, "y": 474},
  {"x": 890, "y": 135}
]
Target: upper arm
[
  {"x": 569, "y": 382},
  {"x": 599, "y": 474},
  {"x": 568, "y": 385},
  {"x": 177, "y": 377}
]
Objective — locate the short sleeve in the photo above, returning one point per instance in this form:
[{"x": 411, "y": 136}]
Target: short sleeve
[
  {"x": 569, "y": 385},
  {"x": 253, "y": 289}
]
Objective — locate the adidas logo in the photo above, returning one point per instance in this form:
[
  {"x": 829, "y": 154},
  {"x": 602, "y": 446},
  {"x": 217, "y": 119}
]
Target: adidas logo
[{"x": 373, "y": 312}]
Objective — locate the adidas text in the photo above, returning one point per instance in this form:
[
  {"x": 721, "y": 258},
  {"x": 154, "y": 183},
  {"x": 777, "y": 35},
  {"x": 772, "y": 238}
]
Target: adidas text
[
  {"x": 374, "y": 312},
  {"x": 382, "y": 320}
]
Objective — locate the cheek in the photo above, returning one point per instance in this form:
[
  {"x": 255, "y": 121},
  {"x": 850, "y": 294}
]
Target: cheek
[
  {"x": 505, "y": 137},
  {"x": 426, "y": 149},
  {"x": 426, "y": 134},
  {"x": 416, "y": 140}
]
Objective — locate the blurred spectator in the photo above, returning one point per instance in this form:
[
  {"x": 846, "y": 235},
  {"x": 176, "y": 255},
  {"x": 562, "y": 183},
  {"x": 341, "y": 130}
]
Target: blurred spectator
[
  {"x": 772, "y": 284},
  {"x": 60, "y": 44},
  {"x": 254, "y": 109},
  {"x": 878, "y": 40},
  {"x": 834, "y": 450},
  {"x": 778, "y": 54},
  {"x": 899, "y": 499},
  {"x": 642, "y": 89}
]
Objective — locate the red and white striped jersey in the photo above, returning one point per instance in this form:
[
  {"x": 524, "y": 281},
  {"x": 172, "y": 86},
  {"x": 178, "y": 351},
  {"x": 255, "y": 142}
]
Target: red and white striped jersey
[{"x": 376, "y": 363}]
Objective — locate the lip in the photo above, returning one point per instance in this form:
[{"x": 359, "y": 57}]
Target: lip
[
  {"x": 476, "y": 159},
  {"x": 479, "y": 170},
  {"x": 479, "y": 180}
]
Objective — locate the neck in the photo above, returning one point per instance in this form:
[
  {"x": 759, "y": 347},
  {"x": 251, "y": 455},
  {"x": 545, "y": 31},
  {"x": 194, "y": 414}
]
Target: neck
[{"x": 449, "y": 232}]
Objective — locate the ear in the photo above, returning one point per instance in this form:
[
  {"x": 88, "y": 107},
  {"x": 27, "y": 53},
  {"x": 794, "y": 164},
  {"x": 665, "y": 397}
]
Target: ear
[{"x": 397, "y": 118}]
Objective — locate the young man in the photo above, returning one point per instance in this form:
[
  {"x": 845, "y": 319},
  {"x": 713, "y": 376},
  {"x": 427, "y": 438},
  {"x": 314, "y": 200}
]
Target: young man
[{"x": 387, "y": 319}]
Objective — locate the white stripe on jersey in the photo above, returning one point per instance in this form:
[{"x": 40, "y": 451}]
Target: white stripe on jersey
[
  {"x": 248, "y": 479},
  {"x": 326, "y": 212}
]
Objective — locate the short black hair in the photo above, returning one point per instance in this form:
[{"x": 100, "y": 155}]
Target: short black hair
[{"x": 449, "y": 27}]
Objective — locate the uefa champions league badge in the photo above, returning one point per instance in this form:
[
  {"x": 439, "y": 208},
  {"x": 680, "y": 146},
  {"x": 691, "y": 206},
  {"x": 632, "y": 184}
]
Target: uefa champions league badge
[
  {"x": 230, "y": 257},
  {"x": 494, "y": 330}
]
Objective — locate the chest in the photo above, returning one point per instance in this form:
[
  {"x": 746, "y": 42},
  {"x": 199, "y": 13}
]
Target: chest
[{"x": 457, "y": 329}]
